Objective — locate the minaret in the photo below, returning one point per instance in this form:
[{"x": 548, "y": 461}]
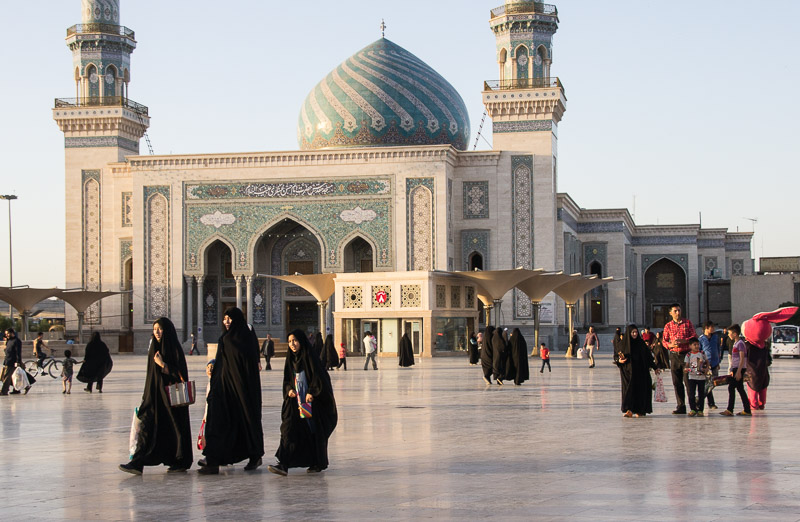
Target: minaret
[
  {"x": 526, "y": 103},
  {"x": 101, "y": 126}
]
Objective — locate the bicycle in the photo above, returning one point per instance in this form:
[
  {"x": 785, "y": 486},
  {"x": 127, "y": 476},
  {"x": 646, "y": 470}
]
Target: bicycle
[{"x": 49, "y": 366}]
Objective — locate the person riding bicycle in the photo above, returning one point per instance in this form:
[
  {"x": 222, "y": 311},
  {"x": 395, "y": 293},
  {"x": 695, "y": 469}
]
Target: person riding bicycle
[{"x": 39, "y": 349}]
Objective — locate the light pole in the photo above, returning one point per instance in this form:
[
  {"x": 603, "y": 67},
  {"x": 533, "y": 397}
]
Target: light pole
[{"x": 10, "y": 198}]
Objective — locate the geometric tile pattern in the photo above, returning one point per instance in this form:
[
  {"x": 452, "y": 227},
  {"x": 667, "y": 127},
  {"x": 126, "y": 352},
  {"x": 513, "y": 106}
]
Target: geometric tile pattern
[
  {"x": 410, "y": 296},
  {"x": 157, "y": 243},
  {"x": 469, "y": 298},
  {"x": 594, "y": 252},
  {"x": 127, "y": 209},
  {"x": 522, "y": 225},
  {"x": 522, "y": 126},
  {"x": 289, "y": 189},
  {"x": 91, "y": 241},
  {"x": 680, "y": 259},
  {"x": 441, "y": 296},
  {"x": 125, "y": 253},
  {"x": 455, "y": 297},
  {"x": 352, "y": 297},
  {"x": 421, "y": 224},
  {"x": 476, "y": 199}
]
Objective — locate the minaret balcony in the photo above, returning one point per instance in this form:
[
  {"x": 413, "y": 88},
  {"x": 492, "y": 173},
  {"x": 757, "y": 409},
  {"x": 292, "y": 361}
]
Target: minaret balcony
[
  {"x": 524, "y": 7},
  {"x": 102, "y": 101},
  {"x": 113, "y": 29},
  {"x": 523, "y": 84}
]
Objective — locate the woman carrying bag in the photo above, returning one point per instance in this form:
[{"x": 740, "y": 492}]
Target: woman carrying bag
[
  {"x": 165, "y": 436},
  {"x": 308, "y": 415}
]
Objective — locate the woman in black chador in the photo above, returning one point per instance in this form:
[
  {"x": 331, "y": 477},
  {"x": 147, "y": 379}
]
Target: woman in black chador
[
  {"x": 519, "y": 358},
  {"x": 635, "y": 360},
  {"x": 96, "y": 364},
  {"x": 318, "y": 345},
  {"x": 166, "y": 433},
  {"x": 330, "y": 359},
  {"x": 233, "y": 423},
  {"x": 487, "y": 355},
  {"x": 499, "y": 356},
  {"x": 304, "y": 440},
  {"x": 406, "y": 353}
]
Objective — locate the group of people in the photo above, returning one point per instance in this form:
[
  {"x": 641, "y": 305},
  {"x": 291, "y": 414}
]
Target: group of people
[
  {"x": 232, "y": 430},
  {"x": 502, "y": 357},
  {"x": 96, "y": 364},
  {"x": 694, "y": 363}
]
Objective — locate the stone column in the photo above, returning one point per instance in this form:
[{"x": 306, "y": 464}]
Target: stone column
[
  {"x": 238, "y": 280},
  {"x": 570, "y": 322},
  {"x": 201, "y": 343},
  {"x": 249, "y": 281},
  {"x": 189, "y": 305},
  {"x": 536, "y": 305},
  {"x": 496, "y": 305}
]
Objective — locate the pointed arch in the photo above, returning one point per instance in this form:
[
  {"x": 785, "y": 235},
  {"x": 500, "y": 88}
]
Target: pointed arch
[
  {"x": 252, "y": 244},
  {"x": 348, "y": 239},
  {"x": 522, "y": 64},
  {"x": 91, "y": 81},
  {"x": 110, "y": 87},
  {"x": 202, "y": 251}
]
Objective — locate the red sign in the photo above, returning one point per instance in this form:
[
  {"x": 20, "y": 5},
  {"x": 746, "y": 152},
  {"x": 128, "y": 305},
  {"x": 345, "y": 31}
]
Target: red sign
[{"x": 381, "y": 296}]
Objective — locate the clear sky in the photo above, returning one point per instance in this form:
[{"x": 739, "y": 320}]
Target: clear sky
[{"x": 683, "y": 106}]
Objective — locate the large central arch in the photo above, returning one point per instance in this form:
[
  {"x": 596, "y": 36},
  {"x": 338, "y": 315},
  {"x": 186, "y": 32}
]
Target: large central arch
[{"x": 664, "y": 284}]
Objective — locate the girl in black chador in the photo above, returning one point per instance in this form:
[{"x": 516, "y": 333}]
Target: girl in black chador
[
  {"x": 635, "y": 362},
  {"x": 233, "y": 423},
  {"x": 308, "y": 415},
  {"x": 166, "y": 436}
]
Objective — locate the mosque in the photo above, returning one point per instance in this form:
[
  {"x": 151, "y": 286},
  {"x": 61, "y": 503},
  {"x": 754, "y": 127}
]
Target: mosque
[{"x": 382, "y": 191}]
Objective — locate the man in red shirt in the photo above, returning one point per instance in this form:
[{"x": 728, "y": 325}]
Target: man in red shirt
[{"x": 676, "y": 339}]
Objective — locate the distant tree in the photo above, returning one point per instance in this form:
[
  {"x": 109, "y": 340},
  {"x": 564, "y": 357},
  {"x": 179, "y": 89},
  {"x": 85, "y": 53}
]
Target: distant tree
[
  {"x": 5, "y": 322},
  {"x": 795, "y": 319},
  {"x": 44, "y": 326}
]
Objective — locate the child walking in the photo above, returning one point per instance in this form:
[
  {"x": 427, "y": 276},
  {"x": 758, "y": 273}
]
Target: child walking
[
  {"x": 696, "y": 365},
  {"x": 66, "y": 372},
  {"x": 544, "y": 353},
  {"x": 738, "y": 366}
]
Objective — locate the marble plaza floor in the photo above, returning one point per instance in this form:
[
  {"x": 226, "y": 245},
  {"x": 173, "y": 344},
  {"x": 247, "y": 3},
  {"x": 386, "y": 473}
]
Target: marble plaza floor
[{"x": 428, "y": 442}]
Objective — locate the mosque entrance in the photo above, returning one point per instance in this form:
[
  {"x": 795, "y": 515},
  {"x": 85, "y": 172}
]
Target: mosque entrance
[
  {"x": 664, "y": 284},
  {"x": 302, "y": 315}
]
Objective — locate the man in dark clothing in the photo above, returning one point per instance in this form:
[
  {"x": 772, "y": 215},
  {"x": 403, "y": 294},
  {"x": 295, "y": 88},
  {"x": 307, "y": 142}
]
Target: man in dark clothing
[
  {"x": 268, "y": 350},
  {"x": 12, "y": 360}
]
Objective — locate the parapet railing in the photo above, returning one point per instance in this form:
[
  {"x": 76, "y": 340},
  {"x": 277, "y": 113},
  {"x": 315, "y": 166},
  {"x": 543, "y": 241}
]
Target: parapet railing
[
  {"x": 529, "y": 6},
  {"x": 101, "y": 28},
  {"x": 525, "y": 83},
  {"x": 102, "y": 101}
]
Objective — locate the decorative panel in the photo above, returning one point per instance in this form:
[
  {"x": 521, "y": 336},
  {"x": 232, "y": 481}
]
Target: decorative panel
[
  {"x": 381, "y": 296},
  {"x": 157, "y": 241},
  {"x": 680, "y": 259},
  {"x": 441, "y": 296},
  {"x": 210, "y": 301},
  {"x": 522, "y": 225},
  {"x": 352, "y": 297},
  {"x": 125, "y": 253},
  {"x": 421, "y": 223},
  {"x": 259, "y": 303},
  {"x": 91, "y": 241},
  {"x": 455, "y": 296},
  {"x": 127, "y": 209},
  {"x": 469, "y": 297},
  {"x": 449, "y": 212},
  {"x": 410, "y": 296},
  {"x": 476, "y": 199}
]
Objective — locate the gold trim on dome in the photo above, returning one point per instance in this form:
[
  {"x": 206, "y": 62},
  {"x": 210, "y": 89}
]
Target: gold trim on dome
[{"x": 392, "y": 137}]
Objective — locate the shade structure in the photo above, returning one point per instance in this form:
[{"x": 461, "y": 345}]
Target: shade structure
[
  {"x": 536, "y": 288},
  {"x": 23, "y": 299},
  {"x": 80, "y": 300},
  {"x": 573, "y": 290},
  {"x": 321, "y": 286},
  {"x": 496, "y": 283}
]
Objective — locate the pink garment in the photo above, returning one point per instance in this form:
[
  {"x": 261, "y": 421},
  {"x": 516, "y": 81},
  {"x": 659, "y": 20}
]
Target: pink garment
[{"x": 758, "y": 399}]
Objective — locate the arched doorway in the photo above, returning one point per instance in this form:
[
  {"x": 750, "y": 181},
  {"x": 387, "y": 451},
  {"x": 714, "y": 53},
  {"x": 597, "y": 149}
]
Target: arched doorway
[
  {"x": 286, "y": 248},
  {"x": 664, "y": 284},
  {"x": 219, "y": 289},
  {"x": 597, "y": 296},
  {"x": 475, "y": 261},
  {"x": 358, "y": 256}
]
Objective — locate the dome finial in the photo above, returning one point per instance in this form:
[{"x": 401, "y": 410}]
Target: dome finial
[{"x": 383, "y": 28}]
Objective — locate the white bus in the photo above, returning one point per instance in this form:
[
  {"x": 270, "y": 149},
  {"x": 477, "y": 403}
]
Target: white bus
[{"x": 785, "y": 341}]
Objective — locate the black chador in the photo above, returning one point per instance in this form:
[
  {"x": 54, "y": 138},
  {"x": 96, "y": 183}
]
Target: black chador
[
  {"x": 330, "y": 358},
  {"x": 405, "y": 354},
  {"x": 304, "y": 441},
  {"x": 487, "y": 354},
  {"x": 233, "y": 423},
  {"x": 518, "y": 359},
  {"x": 638, "y": 396},
  {"x": 499, "y": 355}
]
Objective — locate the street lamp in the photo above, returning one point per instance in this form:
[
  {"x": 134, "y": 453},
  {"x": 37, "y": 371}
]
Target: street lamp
[{"x": 10, "y": 198}]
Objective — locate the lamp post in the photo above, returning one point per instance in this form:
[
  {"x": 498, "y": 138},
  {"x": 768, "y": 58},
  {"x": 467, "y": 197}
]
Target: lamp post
[{"x": 10, "y": 198}]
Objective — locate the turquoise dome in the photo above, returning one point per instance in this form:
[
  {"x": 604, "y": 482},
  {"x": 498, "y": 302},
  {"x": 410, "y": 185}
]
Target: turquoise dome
[{"x": 383, "y": 95}]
